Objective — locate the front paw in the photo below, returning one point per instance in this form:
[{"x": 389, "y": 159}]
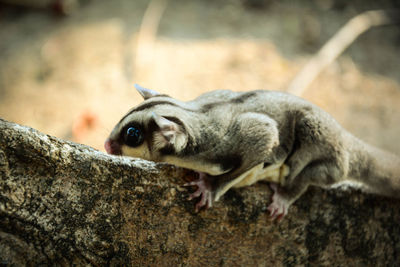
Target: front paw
[
  {"x": 279, "y": 206},
  {"x": 203, "y": 189}
]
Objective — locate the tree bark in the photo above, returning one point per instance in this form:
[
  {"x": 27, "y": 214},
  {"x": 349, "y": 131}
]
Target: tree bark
[{"x": 63, "y": 203}]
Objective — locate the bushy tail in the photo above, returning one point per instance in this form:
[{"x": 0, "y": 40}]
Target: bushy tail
[{"x": 378, "y": 170}]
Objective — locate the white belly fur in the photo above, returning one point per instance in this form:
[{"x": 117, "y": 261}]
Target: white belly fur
[
  {"x": 275, "y": 173},
  {"x": 209, "y": 168}
]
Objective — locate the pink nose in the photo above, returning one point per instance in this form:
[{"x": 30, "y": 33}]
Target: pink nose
[{"x": 112, "y": 147}]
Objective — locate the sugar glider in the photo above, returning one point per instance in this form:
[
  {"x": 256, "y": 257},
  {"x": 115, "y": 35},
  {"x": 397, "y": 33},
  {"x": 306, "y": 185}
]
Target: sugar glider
[{"x": 234, "y": 139}]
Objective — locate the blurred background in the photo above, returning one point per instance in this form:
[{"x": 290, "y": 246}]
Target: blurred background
[{"x": 67, "y": 67}]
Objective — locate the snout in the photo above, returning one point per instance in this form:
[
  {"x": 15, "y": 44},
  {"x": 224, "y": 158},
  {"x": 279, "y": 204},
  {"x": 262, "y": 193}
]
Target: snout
[{"x": 112, "y": 147}]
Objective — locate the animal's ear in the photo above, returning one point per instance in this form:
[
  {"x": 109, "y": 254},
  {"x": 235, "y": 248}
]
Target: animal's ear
[
  {"x": 168, "y": 134},
  {"x": 146, "y": 93},
  {"x": 167, "y": 128}
]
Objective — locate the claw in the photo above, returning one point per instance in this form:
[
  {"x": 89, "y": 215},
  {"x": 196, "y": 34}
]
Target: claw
[
  {"x": 279, "y": 206},
  {"x": 203, "y": 189},
  {"x": 195, "y": 194}
]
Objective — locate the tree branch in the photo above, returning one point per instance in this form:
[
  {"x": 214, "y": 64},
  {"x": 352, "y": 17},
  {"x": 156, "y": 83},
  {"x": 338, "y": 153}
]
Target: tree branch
[{"x": 66, "y": 203}]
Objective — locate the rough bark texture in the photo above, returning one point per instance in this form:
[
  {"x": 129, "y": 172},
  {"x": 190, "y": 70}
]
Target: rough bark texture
[{"x": 63, "y": 203}]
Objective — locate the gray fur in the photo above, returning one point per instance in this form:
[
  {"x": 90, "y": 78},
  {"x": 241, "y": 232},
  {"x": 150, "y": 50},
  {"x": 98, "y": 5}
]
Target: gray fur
[{"x": 228, "y": 133}]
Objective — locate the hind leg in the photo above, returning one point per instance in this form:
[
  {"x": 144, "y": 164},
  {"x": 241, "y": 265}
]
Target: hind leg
[
  {"x": 320, "y": 174},
  {"x": 283, "y": 198}
]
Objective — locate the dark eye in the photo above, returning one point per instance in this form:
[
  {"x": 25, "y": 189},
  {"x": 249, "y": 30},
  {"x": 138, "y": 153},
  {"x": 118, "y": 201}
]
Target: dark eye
[{"x": 133, "y": 136}]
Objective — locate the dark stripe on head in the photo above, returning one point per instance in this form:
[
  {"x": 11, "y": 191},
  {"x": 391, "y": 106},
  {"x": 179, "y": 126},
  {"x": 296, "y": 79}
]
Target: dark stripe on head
[
  {"x": 152, "y": 104},
  {"x": 149, "y": 105}
]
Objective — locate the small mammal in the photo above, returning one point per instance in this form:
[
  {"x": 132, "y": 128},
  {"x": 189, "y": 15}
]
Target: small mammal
[{"x": 235, "y": 139}]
